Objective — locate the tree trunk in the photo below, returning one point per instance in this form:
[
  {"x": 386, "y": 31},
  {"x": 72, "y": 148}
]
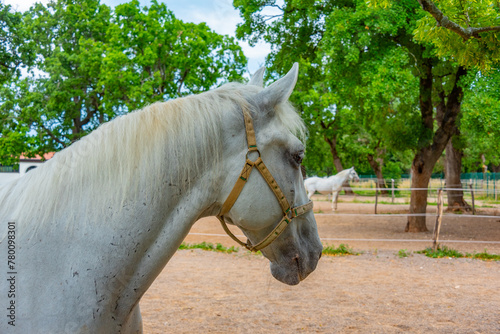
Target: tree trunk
[
  {"x": 427, "y": 156},
  {"x": 332, "y": 142},
  {"x": 420, "y": 175},
  {"x": 347, "y": 188},
  {"x": 495, "y": 169},
  {"x": 376, "y": 164},
  {"x": 453, "y": 170}
]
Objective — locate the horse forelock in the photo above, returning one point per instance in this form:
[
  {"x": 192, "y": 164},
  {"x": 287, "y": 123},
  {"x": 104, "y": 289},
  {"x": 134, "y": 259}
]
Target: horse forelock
[{"x": 128, "y": 154}]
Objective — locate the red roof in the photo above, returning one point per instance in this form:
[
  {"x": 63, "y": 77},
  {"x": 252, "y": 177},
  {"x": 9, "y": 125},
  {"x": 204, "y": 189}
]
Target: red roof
[{"x": 46, "y": 156}]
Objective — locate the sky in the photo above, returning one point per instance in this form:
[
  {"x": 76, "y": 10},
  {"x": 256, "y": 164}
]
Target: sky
[{"x": 219, "y": 15}]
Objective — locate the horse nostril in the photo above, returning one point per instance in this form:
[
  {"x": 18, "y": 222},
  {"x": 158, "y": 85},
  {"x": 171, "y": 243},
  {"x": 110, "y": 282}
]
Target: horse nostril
[{"x": 296, "y": 260}]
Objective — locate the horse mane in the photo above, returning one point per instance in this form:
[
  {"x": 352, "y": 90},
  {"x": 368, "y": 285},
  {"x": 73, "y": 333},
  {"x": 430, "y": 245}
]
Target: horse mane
[
  {"x": 341, "y": 173},
  {"x": 182, "y": 136}
]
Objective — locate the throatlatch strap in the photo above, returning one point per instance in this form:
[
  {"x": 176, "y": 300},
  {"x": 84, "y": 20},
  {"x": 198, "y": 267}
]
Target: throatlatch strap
[{"x": 226, "y": 229}]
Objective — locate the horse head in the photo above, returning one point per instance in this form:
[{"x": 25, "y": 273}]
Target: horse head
[
  {"x": 257, "y": 209},
  {"x": 353, "y": 175}
]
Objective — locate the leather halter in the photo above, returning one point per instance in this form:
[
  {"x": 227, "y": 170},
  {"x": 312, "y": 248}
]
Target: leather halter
[{"x": 288, "y": 212}]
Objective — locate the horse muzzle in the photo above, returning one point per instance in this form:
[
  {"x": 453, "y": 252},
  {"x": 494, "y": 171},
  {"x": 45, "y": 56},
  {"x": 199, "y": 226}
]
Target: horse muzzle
[{"x": 294, "y": 268}]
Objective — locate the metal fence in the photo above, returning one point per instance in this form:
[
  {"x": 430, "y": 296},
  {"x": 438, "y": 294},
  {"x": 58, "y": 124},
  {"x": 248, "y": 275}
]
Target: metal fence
[
  {"x": 487, "y": 187},
  {"x": 7, "y": 169}
]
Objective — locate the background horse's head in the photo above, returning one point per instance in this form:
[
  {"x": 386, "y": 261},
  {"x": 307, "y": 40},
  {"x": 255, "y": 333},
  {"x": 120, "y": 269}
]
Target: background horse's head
[
  {"x": 295, "y": 253},
  {"x": 353, "y": 176}
]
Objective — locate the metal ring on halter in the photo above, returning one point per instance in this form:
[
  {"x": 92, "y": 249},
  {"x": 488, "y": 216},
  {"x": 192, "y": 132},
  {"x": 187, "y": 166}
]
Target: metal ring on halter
[{"x": 254, "y": 150}]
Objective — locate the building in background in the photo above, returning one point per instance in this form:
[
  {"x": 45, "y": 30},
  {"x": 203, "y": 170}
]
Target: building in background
[{"x": 8, "y": 173}]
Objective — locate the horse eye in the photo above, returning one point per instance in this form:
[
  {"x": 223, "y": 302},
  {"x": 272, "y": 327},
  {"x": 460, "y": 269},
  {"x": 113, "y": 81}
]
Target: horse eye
[{"x": 297, "y": 157}]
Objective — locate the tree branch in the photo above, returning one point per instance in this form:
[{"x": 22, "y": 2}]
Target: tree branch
[
  {"x": 443, "y": 21},
  {"x": 51, "y": 135}
]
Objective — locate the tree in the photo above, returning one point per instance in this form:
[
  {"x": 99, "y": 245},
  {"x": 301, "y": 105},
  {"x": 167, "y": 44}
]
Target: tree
[
  {"x": 467, "y": 33},
  {"x": 346, "y": 46},
  {"x": 15, "y": 53},
  {"x": 330, "y": 79},
  {"x": 96, "y": 64},
  {"x": 64, "y": 104},
  {"x": 152, "y": 56}
]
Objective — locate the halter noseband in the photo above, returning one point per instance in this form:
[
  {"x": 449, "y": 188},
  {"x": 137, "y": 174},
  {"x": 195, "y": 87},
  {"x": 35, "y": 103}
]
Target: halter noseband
[{"x": 288, "y": 213}]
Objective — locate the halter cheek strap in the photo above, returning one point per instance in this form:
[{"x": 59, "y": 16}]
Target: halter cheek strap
[{"x": 288, "y": 213}]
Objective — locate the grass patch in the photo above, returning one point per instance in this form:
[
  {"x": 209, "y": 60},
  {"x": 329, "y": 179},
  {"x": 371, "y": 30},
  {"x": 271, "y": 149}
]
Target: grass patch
[
  {"x": 403, "y": 253},
  {"x": 343, "y": 250},
  {"x": 210, "y": 247},
  {"x": 339, "y": 251},
  {"x": 484, "y": 256},
  {"x": 448, "y": 252},
  {"x": 441, "y": 252}
]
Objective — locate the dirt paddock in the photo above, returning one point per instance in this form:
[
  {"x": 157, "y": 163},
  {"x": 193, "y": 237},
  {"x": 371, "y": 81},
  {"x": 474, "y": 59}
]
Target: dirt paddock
[{"x": 375, "y": 292}]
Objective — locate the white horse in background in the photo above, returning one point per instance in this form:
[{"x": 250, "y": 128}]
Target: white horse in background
[
  {"x": 330, "y": 185},
  {"x": 83, "y": 236}
]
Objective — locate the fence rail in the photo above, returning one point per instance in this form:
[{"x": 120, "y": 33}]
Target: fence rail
[
  {"x": 472, "y": 196},
  {"x": 463, "y": 176},
  {"x": 487, "y": 187}
]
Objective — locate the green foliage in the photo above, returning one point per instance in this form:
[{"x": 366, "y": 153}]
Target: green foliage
[
  {"x": 363, "y": 71},
  {"x": 480, "y": 124},
  {"x": 16, "y": 52},
  {"x": 153, "y": 56},
  {"x": 358, "y": 87},
  {"x": 94, "y": 63},
  {"x": 482, "y": 51},
  {"x": 339, "y": 251},
  {"x": 15, "y": 49},
  {"x": 392, "y": 169},
  {"x": 209, "y": 247}
]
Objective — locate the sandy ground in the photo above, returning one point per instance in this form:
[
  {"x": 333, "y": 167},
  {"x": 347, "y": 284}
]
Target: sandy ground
[{"x": 375, "y": 292}]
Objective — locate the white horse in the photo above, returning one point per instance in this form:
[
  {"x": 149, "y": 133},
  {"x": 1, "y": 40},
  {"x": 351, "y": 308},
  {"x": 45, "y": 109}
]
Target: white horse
[
  {"x": 83, "y": 236},
  {"x": 330, "y": 185}
]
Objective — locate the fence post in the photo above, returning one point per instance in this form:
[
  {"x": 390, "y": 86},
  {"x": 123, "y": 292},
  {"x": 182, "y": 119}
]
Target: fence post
[
  {"x": 392, "y": 186},
  {"x": 439, "y": 217},
  {"x": 487, "y": 186},
  {"x": 472, "y": 195},
  {"x": 376, "y": 199},
  {"x": 495, "y": 186}
]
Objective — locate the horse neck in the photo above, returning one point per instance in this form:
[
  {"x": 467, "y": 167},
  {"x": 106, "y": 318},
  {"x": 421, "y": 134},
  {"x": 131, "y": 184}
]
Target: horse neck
[{"x": 340, "y": 177}]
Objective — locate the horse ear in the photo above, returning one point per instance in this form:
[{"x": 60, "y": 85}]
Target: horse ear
[
  {"x": 258, "y": 77},
  {"x": 280, "y": 90}
]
